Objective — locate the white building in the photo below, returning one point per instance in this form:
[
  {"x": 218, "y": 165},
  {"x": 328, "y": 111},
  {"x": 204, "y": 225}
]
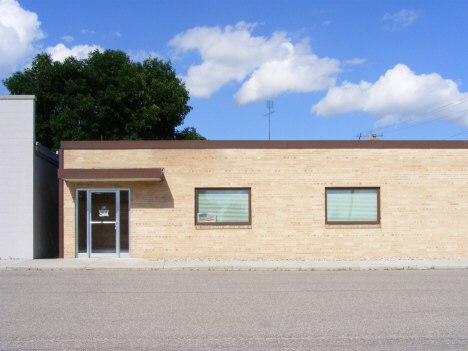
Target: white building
[{"x": 28, "y": 184}]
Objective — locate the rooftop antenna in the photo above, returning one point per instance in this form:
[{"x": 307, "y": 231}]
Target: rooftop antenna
[
  {"x": 269, "y": 106},
  {"x": 370, "y": 136}
]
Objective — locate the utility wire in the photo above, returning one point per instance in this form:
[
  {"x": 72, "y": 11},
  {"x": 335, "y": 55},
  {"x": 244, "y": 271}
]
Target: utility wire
[
  {"x": 453, "y": 136},
  {"x": 432, "y": 120},
  {"x": 439, "y": 109}
]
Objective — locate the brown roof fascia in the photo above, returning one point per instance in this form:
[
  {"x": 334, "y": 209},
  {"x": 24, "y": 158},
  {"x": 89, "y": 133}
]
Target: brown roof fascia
[
  {"x": 260, "y": 144},
  {"x": 111, "y": 174}
]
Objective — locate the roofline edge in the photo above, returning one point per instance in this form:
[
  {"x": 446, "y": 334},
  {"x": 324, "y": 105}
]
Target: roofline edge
[
  {"x": 18, "y": 97},
  {"x": 260, "y": 144}
]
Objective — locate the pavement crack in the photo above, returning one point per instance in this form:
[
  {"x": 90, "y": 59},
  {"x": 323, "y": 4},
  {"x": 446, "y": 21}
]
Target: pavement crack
[{"x": 86, "y": 266}]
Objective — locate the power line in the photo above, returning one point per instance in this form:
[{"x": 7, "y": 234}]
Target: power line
[
  {"x": 412, "y": 119},
  {"x": 432, "y": 120},
  {"x": 453, "y": 136}
]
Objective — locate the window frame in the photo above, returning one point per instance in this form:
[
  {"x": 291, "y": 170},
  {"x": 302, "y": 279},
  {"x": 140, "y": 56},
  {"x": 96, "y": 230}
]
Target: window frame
[
  {"x": 352, "y": 222},
  {"x": 222, "y": 223}
]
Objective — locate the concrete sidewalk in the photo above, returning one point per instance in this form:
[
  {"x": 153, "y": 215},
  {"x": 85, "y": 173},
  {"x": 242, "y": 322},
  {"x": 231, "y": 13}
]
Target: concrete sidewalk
[{"x": 230, "y": 265}]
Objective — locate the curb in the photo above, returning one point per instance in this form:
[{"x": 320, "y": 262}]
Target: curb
[{"x": 163, "y": 265}]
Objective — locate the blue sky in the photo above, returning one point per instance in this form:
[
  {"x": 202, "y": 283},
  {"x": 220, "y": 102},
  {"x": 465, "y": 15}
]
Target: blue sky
[{"x": 332, "y": 68}]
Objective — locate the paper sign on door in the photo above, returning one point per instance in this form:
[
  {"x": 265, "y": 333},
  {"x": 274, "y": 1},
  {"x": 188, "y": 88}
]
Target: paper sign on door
[{"x": 103, "y": 212}]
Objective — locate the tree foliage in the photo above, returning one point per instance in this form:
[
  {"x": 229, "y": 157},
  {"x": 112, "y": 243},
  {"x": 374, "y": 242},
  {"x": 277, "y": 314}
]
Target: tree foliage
[{"x": 104, "y": 97}]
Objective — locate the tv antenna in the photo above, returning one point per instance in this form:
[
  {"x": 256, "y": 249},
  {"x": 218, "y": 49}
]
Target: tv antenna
[
  {"x": 370, "y": 136},
  {"x": 269, "y": 106}
]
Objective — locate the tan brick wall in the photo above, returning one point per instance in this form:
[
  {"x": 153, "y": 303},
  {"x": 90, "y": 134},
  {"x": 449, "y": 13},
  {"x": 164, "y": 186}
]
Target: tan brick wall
[{"x": 424, "y": 201}]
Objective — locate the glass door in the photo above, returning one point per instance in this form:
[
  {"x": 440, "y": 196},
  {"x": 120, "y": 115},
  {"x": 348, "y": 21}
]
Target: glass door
[{"x": 102, "y": 223}]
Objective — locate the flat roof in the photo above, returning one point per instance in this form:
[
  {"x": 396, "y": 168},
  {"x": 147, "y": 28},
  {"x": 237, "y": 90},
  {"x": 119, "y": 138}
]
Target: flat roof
[
  {"x": 17, "y": 97},
  {"x": 261, "y": 144},
  {"x": 46, "y": 154}
]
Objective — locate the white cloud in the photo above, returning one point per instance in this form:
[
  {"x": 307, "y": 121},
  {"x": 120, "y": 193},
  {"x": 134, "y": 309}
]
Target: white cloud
[
  {"x": 112, "y": 34},
  {"x": 401, "y": 19},
  {"x": 86, "y": 31},
  {"x": 68, "y": 38},
  {"x": 353, "y": 62},
  {"x": 317, "y": 12},
  {"x": 397, "y": 96},
  {"x": 296, "y": 73},
  {"x": 60, "y": 52},
  {"x": 275, "y": 64},
  {"x": 19, "y": 32},
  {"x": 142, "y": 55}
]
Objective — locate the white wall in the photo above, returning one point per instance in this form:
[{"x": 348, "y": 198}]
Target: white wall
[{"x": 17, "y": 148}]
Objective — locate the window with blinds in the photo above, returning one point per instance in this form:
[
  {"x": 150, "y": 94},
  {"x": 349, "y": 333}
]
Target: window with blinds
[
  {"x": 222, "y": 206},
  {"x": 352, "y": 205}
]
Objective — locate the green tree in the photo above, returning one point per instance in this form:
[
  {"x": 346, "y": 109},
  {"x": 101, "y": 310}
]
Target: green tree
[{"x": 104, "y": 97}]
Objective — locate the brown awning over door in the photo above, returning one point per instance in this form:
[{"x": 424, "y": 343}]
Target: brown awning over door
[{"x": 110, "y": 174}]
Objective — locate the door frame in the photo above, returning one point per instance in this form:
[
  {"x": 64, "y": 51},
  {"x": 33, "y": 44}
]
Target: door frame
[
  {"x": 116, "y": 223},
  {"x": 88, "y": 253}
]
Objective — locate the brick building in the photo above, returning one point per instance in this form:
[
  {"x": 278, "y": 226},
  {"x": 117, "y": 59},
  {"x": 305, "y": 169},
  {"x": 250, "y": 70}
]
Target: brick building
[{"x": 263, "y": 199}]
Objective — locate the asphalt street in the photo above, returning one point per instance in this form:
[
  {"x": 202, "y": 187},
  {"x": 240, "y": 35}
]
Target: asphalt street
[{"x": 261, "y": 310}]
